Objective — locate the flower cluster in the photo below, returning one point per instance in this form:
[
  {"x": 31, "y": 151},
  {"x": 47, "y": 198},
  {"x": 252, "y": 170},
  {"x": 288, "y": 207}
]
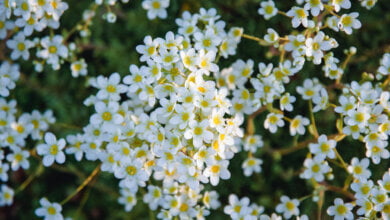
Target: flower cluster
[
  {"x": 169, "y": 128},
  {"x": 175, "y": 126},
  {"x": 15, "y": 128}
]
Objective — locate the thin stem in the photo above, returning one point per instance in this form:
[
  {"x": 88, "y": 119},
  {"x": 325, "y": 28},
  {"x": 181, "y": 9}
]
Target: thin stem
[
  {"x": 250, "y": 127},
  {"x": 320, "y": 203},
  {"x": 250, "y": 37},
  {"x": 338, "y": 190},
  {"x": 312, "y": 119},
  {"x": 303, "y": 144},
  {"x": 345, "y": 166},
  {"x": 283, "y": 13},
  {"x": 84, "y": 184},
  {"x": 305, "y": 197},
  {"x": 30, "y": 178}
]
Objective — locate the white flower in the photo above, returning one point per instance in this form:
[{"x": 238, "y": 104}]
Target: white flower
[
  {"x": 338, "y": 4},
  {"x": 216, "y": 171},
  {"x": 324, "y": 148},
  {"x": 4, "y": 167},
  {"x": 206, "y": 60},
  {"x": 199, "y": 133},
  {"x": 207, "y": 40},
  {"x": 288, "y": 207},
  {"x": 285, "y": 102},
  {"x": 253, "y": 142},
  {"x": 368, "y": 3},
  {"x": 154, "y": 197},
  {"x": 377, "y": 151},
  {"x": 297, "y": 125},
  {"x": 340, "y": 210},
  {"x": 379, "y": 197},
  {"x": 20, "y": 46},
  {"x": 19, "y": 159},
  {"x": 110, "y": 88},
  {"x": 349, "y": 21},
  {"x": 106, "y": 115},
  {"x": 251, "y": 165},
  {"x": 52, "y": 150},
  {"x": 53, "y": 49},
  {"x": 210, "y": 200},
  {"x": 49, "y": 211},
  {"x": 315, "y": 168},
  {"x": 6, "y": 195},
  {"x": 156, "y": 8},
  {"x": 132, "y": 173},
  {"x": 267, "y": 9},
  {"x": 359, "y": 169},
  {"x": 272, "y": 37},
  {"x": 362, "y": 188},
  {"x": 79, "y": 68},
  {"x": 385, "y": 182},
  {"x": 310, "y": 89},
  {"x": 299, "y": 16},
  {"x": 315, "y": 47},
  {"x": 128, "y": 199},
  {"x": 347, "y": 104},
  {"x": 237, "y": 208},
  {"x": 149, "y": 50},
  {"x": 273, "y": 121},
  {"x": 315, "y": 6},
  {"x": 366, "y": 207},
  {"x": 384, "y": 68}
]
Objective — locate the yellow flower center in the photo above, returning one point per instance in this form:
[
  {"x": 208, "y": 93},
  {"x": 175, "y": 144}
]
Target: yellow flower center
[
  {"x": 301, "y": 13},
  {"x": 365, "y": 189},
  {"x": 156, "y": 5},
  {"x": 381, "y": 198},
  {"x": 325, "y": 147},
  {"x": 290, "y": 205},
  {"x": 131, "y": 170},
  {"x": 168, "y": 59},
  {"x": 41, "y": 2},
  {"x": 21, "y": 46},
  {"x": 215, "y": 168},
  {"x": 198, "y": 130},
  {"x": 376, "y": 149},
  {"x": 151, "y": 50},
  {"x": 357, "y": 169},
  {"x": 52, "y": 49},
  {"x": 51, "y": 210},
  {"x": 107, "y": 116},
  {"x": 53, "y": 149},
  {"x": 237, "y": 208},
  {"x": 341, "y": 209},
  {"x": 18, "y": 157},
  {"x": 207, "y": 42},
  {"x": 24, "y": 6},
  {"x": 346, "y": 20},
  {"x": 251, "y": 162},
  {"x": 295, "y": 123},
  {"x": 315, "y": 168},
  {"x": 316, "y": 46},
  {"x": 268, "y": 9}
]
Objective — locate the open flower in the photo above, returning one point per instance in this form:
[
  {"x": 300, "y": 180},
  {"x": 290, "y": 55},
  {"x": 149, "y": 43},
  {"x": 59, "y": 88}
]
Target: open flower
[
  {"x": 49, "y": 211},
  {"x": 340, "y": 210},
  {"x": 52, "y": 150}
]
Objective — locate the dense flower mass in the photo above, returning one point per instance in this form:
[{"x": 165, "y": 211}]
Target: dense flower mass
[{"x": 170, "y": 129}]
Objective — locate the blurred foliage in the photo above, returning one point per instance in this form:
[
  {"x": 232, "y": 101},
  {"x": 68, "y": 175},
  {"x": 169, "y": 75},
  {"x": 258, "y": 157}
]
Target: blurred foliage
[{"x": 111, "y": 48}]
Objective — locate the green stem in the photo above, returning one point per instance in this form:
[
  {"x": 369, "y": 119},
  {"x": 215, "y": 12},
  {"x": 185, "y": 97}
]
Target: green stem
[
  {"x": 27, "y": 182},
  {"x": 84, "y": 184},
  {"x": 312, "y": 119}
]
